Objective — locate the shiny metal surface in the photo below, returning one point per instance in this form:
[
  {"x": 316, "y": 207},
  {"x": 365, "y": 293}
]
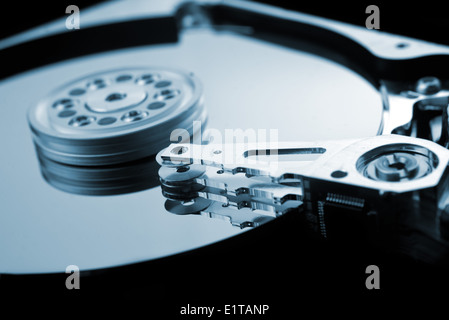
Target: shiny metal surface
[
  {"x": 115, "y": 116},
  {"x": 401, "y": 181},
  {"x": 350, "y": 156},
  {"x": 43, "y": 229}
]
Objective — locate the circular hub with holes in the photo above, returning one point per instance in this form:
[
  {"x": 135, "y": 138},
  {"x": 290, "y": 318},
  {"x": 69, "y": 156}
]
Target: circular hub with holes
[{"x": 115, "y": 116}]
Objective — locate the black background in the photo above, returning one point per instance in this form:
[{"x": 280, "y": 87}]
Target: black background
[
  {"x": 427, "y": 21},
  {"x": 17, "y": 16}
]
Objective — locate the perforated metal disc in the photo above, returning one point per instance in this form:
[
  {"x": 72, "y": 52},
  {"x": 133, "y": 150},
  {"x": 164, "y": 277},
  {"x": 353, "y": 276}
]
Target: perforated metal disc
[{"x": 115, "y": 116}]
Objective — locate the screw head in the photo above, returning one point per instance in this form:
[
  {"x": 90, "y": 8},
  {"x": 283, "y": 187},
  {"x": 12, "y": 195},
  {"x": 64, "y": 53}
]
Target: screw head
[
  {"x": 428, "y": 85},
  {"x": 396, "y": 166}
]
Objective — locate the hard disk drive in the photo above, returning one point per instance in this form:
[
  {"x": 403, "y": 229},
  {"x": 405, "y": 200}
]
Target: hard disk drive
[{"x": 192, "y": 151}]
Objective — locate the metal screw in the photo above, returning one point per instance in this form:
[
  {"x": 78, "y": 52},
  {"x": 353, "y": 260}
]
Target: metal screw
[
  {"x": 428, "y": 85},
  {"x": 396, "y": 166}
]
